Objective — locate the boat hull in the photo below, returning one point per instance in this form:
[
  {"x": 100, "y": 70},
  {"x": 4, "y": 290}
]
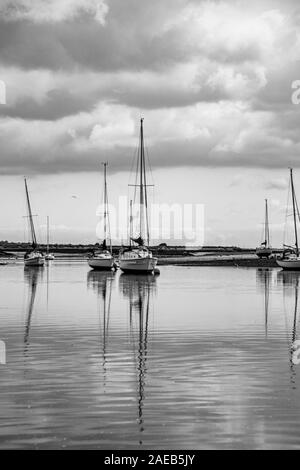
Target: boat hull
[
  {"x": 289, "y": 265},
  {"x": 139, "y": 265},
  {"x": 263, "y": 252},
  {"x": 38, "y": 261},
  {"x": 101, "y": 264}
]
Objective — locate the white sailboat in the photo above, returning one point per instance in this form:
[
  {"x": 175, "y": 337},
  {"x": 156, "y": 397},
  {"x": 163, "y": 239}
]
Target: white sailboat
[
  {"x": 139, "y": 258},
  {"x": 34, "y": 257},
  {"x": 49, "y": 256},
  {"x": 265, "y": 250},
  {"x": 103, "y": 258},
  {"x": 290, "y": 259}
]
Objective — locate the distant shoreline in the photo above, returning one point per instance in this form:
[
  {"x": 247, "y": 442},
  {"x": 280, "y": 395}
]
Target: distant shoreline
[{"x": 210, "y": 259}]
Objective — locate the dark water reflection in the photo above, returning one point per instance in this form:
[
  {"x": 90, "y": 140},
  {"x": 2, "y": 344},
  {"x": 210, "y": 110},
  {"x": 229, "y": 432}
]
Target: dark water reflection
[{"x": 194, "y": 358}]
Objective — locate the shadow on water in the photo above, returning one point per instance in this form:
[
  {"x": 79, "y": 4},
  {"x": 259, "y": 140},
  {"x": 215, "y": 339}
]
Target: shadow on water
[
  {"x": 101, "y": 283},
  {"x": 32, "y": 276},
  {"x": 138, "y": 289}
]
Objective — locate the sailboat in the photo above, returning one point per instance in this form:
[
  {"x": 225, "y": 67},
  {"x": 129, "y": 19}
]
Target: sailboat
[
  {"x": 139, "y": 258},
  {"x": 103, "y": 258},
  {"x": 290, "y": 258},
  {"x": 34, "y": 257},
  {"x": 265, "y": 250},
  {"x": 48, "y": 256}
]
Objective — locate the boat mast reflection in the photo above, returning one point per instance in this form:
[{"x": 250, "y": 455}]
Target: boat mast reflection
[
  {"x": 32, "y": 276},
  {"x": 138, "y": 289},
  {"x": 290, "y": 279},
  {"x": 263, "y": 277},
  {"x": 101, "y": 283}
]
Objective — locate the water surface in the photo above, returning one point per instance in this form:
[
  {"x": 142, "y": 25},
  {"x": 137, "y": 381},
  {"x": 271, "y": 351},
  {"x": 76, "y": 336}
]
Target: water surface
[{"x": 196, "y": 358}]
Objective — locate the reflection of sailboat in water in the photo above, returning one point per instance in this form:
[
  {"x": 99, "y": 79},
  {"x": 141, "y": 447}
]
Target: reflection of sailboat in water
[
  {"x": 32, "y": 277},
  {"x": 264, "y": 277},
  {"x": 138, "y": 289},
  {"x": 291, "y": 279},
  {"x": 101, "y": 283}
]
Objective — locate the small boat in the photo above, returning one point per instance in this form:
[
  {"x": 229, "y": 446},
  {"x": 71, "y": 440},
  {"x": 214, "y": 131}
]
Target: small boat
[
  {"x": 49, "y": 256},
  {"x": 265, "y": 250},
  {"x": 34, "y": 257},
  {"x": 103, "y": 258},
  {"x": 138, "y": 258},
  {"x": 290, "y": 259}
]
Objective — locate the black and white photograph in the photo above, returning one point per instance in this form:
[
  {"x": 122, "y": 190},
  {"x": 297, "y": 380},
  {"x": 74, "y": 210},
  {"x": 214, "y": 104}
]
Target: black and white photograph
[{"x": 149, "y": 227}]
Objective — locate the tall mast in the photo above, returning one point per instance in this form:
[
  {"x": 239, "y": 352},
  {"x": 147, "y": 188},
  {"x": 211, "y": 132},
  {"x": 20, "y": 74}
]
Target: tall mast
[
  {"x": 105, "y": 201},
  {"x": 33, "y": 236},
  {"x": 143, "y": 188},
  {"x": 130, "y": 223},
  {"x": 48, "y": 234},
  {"x": 267, "y": 233},
  {"x": 142, "y": 163},
  {"x": 294, "y": 211},
  {"x": 106, "y": 215}
]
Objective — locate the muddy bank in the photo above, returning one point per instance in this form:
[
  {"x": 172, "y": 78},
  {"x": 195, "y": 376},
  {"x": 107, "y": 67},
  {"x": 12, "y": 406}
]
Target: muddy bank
[{"x": 243, "y": 261}]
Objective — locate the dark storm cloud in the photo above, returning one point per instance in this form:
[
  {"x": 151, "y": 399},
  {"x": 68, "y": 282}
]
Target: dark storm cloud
[
  {"x": 213, "y": 78},
  {"x": 57, "y": 104}
]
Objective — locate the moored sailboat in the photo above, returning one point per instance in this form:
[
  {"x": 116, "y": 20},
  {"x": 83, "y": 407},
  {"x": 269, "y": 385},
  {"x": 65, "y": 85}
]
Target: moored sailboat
[
  {"x": 138, "y": 257},
  {"x": 290, "y": 259},
  {"x": 103, "y": 258},
  {"x": 265, "y": 250},
  {"x": 34, "y": 257}
]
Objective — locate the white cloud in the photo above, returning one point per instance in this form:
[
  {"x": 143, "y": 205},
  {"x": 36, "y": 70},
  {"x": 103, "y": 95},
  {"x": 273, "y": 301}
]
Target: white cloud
[{"x": 42, "y": 11}]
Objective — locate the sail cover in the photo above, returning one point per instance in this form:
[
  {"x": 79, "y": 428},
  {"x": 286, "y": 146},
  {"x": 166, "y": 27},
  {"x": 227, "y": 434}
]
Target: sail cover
[{"x": 138, "y": 240}]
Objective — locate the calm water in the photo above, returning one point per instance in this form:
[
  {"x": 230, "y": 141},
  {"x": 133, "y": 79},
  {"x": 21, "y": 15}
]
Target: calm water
[{"x": 194, "y": 358}]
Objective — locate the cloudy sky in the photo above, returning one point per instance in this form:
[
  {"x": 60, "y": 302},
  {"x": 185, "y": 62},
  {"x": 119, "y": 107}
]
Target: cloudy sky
[{"x": 212, "y": 79}]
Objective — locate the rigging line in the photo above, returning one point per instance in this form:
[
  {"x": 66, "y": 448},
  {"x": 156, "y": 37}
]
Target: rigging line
[
  {"x": 286, "y": 214},
  {"x": 297, "y": 209},
  {"x": 146, "y": 198},
  {"x": 151, "y": 176},
  {"x": 107, "y": 214},
  {"x": 33, "y": 235},
  {"x": 294, "y": 211},
  {"x": 133, "y": 162}
]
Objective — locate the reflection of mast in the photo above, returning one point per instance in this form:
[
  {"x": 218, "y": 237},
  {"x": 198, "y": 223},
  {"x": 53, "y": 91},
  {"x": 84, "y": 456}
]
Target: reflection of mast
[
  {"x": 291, "y": 279},
  {"x": 32, "y": 276},
  {"x": 264, "y": 278},
  {"x": 101, "y": 282},
  {"x": 295, "y": 310},
  {"x": 138, "y": 289}
]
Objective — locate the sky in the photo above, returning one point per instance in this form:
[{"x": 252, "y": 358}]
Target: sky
[{"x": 213, "y": 81}]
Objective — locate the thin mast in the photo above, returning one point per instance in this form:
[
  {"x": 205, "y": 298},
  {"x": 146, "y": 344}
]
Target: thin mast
[
  {"x": 267, "y": 233},
  {"x": 33, "y": 236},
  {"x": 106, "y": 214},
  {"x": 141, "y": 180},
  {"x": 130, "y": 223},
  {"x": 105, "y": 201},
  {"x": 294, "y": 211},
  {"x": 47, "y": 234}
]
